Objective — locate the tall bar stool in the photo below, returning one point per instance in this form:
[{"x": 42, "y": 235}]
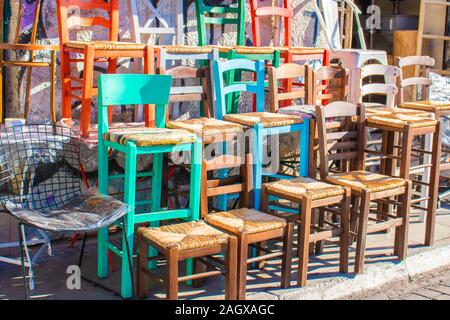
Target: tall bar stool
[
  {"x": 212, "y": 15},
  {"x": 259, "y": 124},
  {"x": 410, "y": 124},
  {"x": 341, "y": 128},
  {"x": 105, "y": 51},
  {"x": 32, "y": 47},
  {"x": 139, "y": 89},
  {"x": 438, "y": 108}
]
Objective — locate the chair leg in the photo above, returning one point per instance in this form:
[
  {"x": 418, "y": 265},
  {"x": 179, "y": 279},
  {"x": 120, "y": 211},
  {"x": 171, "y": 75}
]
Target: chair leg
[
  {"x": 286, "y": 264},
  {"x": 321, "y": 223},
  {"x": 22, "y": 261},
  {"x": 303, "y": 240},
  {"x": 129, "y": 256},
  {"x": 199, "y": 268},
  {"x": 401, "y": 232},
  {"x": 66, "y": 85},
  {"x": 88, "y": 78},
  {"x": 362, "y": 232},
  {"x": 242, "y": 266},
  {"x": 345, "y": 235},
  {"x": 142, "y": 263},
  {"x": 83, "y": 245},
  {"x": 231, "y": 277},
  {"x": 102, "y": 234},
  {"x": 172, "y": 274}
]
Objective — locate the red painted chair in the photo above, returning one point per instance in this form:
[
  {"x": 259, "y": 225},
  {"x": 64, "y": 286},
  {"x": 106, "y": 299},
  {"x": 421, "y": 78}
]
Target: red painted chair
[{"x": 105, "y": 51}]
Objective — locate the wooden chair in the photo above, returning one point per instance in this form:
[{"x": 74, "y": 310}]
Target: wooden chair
[
  {"x": 135, "y": 89},
  {"x": 106, "y": 51},
  {"x": 207, "y": 15},
  {"x": 341, "y": 128},
  {"x": 183, "y": 241},
  {"x": 438, "y": 108},
  {"x": 32, "y": 47},
  {"x": 213, "y": 132},
  {"x": 250, "y": 226},
  {"x": 156, "y": 24},
  {"x": 311, "y": 194},
  {"x": 408, "y": 125},
  {"x": 260, "y": 124},
  {"x": 278, "y": 14}
]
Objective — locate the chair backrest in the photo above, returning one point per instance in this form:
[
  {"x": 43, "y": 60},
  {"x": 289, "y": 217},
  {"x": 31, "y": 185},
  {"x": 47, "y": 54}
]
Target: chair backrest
[
  {"x": 217, "y": 15},
  {"x": 278, "y": 14},
  {"x": 200, "y": 91},
  {"x": 423, "y": 64},
  {"x": 288, "y": 72},
  {"x": 341, "y": 133},
  {"x": 132, "y": 89},
  {"x": 67, "y": 21},
  {"x": 388, "y": 88},
  {"x": 330, "y": 21},
  {"x": 39, "y": 167},
  {"x": 329, "y": 84},
  {"x": 34, "y": 26},
  {"x": 222, "y": 89}
]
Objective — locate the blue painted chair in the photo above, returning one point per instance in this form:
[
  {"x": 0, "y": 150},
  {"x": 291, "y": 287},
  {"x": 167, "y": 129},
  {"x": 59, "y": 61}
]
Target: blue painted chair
[
  {"x": 134, "y": 89},
  {"x": 263, "y": 124}
]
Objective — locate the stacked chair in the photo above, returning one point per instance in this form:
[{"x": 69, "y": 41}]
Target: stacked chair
[{"x": 238, "y": 201}]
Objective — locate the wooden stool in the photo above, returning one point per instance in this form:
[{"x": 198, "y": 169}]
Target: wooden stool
[
  {"x": 410, "y": 124},
  {"x": 341, "y": 128},
  {"x": 184, "y": 241},
  {"x": 311, "y": 194}
]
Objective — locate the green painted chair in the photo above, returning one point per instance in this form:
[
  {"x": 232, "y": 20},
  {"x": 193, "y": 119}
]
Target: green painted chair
[
  {"x": 141, "y": 89},
  {"x": 207, "y": 15}
]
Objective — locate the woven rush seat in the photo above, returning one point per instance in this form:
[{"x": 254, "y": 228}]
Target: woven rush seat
[
  {"x": 186, "y": 49},
  {"x": 185, "y": 236},
  {"x": 430, "y": 106},
  {"x": 365, "y": 180},
  {"x": 206, "y": 126},
  {"x": 398, "y": 118},
  {"x": 145, "y": 137},
  {"x": 244, "y": 220},
  {"x": 306, "y": 50},
  {"x": 247, "y": 50},
  {"x": 299, "y": 187},
  {"x": 304, "y": 111},
  {"x": 267, "y": 119},
  {"x": 106, "y": 45}
]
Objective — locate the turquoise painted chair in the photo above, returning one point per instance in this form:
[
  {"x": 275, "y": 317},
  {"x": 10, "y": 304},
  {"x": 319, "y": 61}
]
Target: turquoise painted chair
[
  {"x": 259, "y": 124},
  {"x": 141, "y": 89}
]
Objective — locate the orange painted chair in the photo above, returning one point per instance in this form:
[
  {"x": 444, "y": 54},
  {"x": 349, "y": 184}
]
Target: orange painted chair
[{"x": 97, "y": 51}]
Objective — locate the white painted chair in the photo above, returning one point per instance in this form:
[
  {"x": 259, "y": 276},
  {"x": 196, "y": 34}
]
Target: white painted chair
[
  {"x": 352, "y": 59},
  {"x": 150, "y": 28}
]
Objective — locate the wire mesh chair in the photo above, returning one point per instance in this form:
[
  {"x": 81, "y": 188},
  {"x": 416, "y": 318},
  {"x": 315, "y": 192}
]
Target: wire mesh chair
[{"x": 40, "y": 186}]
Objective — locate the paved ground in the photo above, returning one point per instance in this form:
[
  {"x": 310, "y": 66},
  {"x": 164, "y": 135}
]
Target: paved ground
[
  {"x": 51, "y": 275},
  {"x": 431, "y": 286}
]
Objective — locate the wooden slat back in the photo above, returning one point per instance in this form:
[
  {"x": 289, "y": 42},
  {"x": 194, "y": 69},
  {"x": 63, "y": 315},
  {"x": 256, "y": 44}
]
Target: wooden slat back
[
  {"x": 330, "y": 84},
  {"x": 289, "y": 72},
  {"x": 341, "y": 136},
  {"x": 67, "y": 21},
  {"x": 181, "y": 91},
  {"x": 423, "y": 65}
]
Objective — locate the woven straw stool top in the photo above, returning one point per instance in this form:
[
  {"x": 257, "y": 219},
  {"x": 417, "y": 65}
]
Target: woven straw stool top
[
  {"x": 306, "y": 50},
  {"x": 184, "y": 236},
  {"x": 304, "y": 111},
  {"x": 398, "y": 117},
  {"x": 186, "y": 49},
  {"x": 430, "y": 106},
  {"x": 267, "y": 119},
  {"x": 364, "y": 180},
  {"x": 206, "y": 126},
  {"x": 303, "y": 186},
  {"x": 145, "y": 137},
  {"x": 244, "y": 220},
  {"x": 106, "y": 45}
]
